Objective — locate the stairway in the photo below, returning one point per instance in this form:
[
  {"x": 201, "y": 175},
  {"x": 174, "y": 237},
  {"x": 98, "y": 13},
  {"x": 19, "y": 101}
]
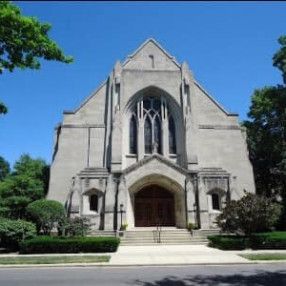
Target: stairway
[{"x": 167, "y": 236}]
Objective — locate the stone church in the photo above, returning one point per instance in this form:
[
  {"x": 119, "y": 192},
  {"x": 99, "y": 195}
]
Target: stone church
[{"x": 149, "y": 147}]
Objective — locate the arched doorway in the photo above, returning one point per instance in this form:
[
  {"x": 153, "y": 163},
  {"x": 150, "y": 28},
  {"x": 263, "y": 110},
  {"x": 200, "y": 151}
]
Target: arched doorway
[{"x": 153, "y": 205}]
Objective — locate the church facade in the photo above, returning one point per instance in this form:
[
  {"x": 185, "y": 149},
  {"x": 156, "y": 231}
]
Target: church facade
[{"x": 149, "y": 147}]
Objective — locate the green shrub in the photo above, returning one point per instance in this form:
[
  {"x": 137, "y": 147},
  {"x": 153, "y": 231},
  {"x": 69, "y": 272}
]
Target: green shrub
[
  {"x": 191, "y": 226},
  {"x": 250, "y": 214},
  {"x": 45, "y": 213},
  {"x": 48, "y": 244},
  {"x": 228, "y": 242},
  {"x": 78, "y": 226},
  {"x": 269, "y": 240},
  {"x": 13, "y": 232}
]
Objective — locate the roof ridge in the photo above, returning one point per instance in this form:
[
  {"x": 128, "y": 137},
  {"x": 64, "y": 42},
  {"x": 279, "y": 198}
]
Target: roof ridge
[{"x": 148, "y": 40}]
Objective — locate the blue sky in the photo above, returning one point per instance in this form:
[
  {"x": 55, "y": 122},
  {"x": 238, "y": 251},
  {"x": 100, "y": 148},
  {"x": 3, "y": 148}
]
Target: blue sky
[{"x": 228, "y": 45}]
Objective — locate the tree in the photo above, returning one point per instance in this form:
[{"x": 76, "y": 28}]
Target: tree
[
  {"x": 4, "y": 168},
  {"x": 24, "y": 41},
  {"x": 45, "y": 213},
  {"x": 266, "y": 132},
  {"x": 24, "y": 185},
  {"x": 250, "y": 214},
  {"x": 279, "y": 59}
]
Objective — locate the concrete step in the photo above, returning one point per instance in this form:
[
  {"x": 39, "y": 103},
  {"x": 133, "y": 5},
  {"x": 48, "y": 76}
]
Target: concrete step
[
  {"x": 102, "y": 233},
  {"x": 167, "y": 236}
]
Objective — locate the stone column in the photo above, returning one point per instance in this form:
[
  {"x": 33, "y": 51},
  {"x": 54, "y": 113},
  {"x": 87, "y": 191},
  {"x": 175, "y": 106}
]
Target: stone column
[
  {"x": 109, "y": 208},
  {"x": 203, "y": 204},
  {"x": 116, "y": 155},
  {"x": 188, "y": 105},
  {"x": 191, "y": 200},
  {"x": 122, "y": 199}
]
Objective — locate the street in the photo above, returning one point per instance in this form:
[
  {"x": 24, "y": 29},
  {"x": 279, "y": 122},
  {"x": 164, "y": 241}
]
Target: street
[{"x": 251, "y": 274}]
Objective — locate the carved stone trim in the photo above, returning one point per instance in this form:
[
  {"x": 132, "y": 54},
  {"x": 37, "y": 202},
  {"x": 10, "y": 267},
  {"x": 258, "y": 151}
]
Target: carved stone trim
[{"x": 155, "y": 157}]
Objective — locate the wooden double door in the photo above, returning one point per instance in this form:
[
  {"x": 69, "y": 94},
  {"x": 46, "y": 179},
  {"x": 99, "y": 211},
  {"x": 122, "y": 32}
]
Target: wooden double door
[{"x": 154, "y": 205}]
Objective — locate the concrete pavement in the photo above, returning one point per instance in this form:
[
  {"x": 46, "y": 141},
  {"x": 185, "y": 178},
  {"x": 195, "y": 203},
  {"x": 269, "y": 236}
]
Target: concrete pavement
[
  {"x": 162, "y": 255},
  {"x": 173, "y": 254}
]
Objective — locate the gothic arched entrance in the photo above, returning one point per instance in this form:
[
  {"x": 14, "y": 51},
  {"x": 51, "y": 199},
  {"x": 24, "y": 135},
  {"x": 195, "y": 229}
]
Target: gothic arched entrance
[{"x": 154, "y": 205}]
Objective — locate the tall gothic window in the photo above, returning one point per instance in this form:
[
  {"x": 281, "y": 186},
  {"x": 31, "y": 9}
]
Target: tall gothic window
[
  {"x": 150, "y": 113},
  {"x": 148, "y": 135},
  {"x": 172, "y": 136},
  {"x": 158, "y": 134},
  {"x": 133, "y": 136},
  {"x": 152, "y": 124}
]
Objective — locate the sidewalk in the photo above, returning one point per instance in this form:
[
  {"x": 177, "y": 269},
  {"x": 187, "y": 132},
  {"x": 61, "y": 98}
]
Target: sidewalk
[
  {"x": 160, "y": 255},
  {"x": 173, "y": 255}
]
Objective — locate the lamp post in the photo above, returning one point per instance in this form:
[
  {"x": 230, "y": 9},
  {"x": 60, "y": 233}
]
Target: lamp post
[{"x": 121, "y": 212}]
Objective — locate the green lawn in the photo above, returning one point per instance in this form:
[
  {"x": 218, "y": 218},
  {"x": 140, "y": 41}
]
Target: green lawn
[
  {"x": 53, "y": 259},
  {"x": 265, "y": 256}
]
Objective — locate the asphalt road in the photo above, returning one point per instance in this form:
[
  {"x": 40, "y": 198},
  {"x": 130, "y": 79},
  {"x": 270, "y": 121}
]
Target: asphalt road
[{"x": 254, "y": 275}]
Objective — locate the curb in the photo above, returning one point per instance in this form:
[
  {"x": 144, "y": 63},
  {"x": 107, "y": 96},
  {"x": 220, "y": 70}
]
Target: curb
[{"x": 105, "y": 265}]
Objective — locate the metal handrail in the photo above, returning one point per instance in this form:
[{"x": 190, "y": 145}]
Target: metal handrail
[{"x": 159, "y": 230}]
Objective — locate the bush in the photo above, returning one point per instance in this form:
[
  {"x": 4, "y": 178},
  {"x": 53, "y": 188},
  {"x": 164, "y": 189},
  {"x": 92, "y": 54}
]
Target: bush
[
  {"x": 45, "y": 213},
  {"x": 48, "y": 244},
  {"x": 248, "y": 215},
  {"x": 228, "y": 242},
  {"x": 78, "y": 226},
  {"x": 13, "y": 232},
  {"x": 269, "y": 240}
]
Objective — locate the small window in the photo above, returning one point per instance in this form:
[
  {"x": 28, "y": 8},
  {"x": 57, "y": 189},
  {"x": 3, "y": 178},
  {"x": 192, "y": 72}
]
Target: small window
[
  {"x": 93, "y": 202},
  {"x": 215, "y": 202}
]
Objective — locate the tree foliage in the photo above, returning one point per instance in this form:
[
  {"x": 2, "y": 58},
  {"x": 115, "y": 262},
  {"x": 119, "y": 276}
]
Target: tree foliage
[
  {"x": 24, "y": 41},
  {"x": 45, "y": 214},
  {"x": 25, "y": 184},
  {"x": 279, "y": 59},
  {"x": 266, "y": 133},
  {"x": 4, "y": 168},
  {"x": 250, "y": 214}
]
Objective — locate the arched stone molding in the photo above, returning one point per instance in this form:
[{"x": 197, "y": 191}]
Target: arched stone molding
[
  {"x": 169, "y": 106},
  {"x": 144, "y": 176}
]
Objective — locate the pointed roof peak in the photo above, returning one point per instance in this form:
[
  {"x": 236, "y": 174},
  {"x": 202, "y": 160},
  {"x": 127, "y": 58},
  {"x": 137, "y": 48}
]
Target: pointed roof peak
[{"x": 155, "y": 42}]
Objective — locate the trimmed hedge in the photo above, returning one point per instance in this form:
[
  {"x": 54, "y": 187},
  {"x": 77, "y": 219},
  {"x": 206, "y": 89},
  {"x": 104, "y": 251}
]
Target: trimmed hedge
[
  {"x": 268, "y": 240},
  {"x": 47, "y": 244},
  {"x": 228, "y": 242}
]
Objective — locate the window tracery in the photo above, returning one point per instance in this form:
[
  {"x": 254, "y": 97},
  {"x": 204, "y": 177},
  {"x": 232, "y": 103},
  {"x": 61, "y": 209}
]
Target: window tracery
[{"x": 151, "y": 111}]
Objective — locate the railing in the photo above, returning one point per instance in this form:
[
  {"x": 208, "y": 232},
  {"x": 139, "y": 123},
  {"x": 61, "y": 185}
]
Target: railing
[{"x": 159, "y": 230}]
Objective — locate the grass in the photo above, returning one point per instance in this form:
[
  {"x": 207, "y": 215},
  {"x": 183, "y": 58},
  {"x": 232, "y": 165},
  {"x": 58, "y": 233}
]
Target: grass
[
  {"x": 265, "y": 256},
  {"x": 53, "y": 259}
]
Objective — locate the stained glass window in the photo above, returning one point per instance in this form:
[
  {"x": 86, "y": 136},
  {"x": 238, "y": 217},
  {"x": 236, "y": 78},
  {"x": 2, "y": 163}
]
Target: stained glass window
[
  {"x": 172, "y": 136},
  {"x": 157, "y": 134},
  {"x": 133, "y": 136},
  {"x": 148, "y": 135}
]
